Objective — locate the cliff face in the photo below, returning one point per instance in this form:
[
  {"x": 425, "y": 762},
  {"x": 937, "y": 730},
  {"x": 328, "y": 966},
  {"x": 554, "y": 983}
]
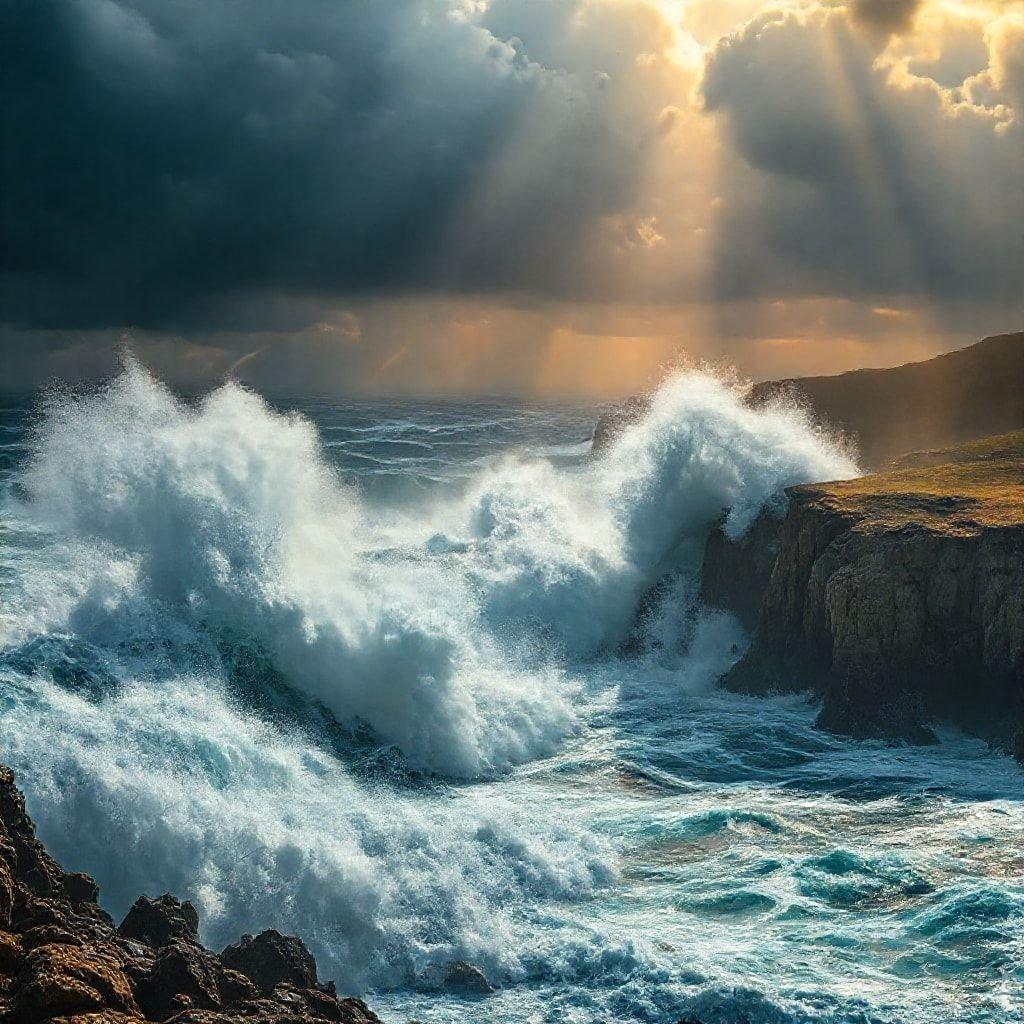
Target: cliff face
[
  {"x": 899, "y": 599},
  {"x": 62, "y": 960},
  {"x": 736, "y": 573}
]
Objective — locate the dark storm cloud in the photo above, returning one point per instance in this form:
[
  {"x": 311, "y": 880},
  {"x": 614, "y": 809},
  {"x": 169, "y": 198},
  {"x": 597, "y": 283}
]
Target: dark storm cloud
[
  {"x": 855, "y": 179},
  {"x": 162, "y": 163},
  {"x": 885, "y": 15}
]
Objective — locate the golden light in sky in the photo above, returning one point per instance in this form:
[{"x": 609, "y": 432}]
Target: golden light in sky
[{"x": 565, "y": 196}]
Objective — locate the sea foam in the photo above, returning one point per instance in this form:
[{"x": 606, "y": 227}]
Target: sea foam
[
  {"x": 227, "y": 666},
  {"x": 449, "y": 642}
]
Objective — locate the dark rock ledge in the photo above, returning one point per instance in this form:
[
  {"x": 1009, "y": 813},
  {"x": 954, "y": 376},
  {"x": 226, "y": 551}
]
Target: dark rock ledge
[{"x": 62, "y": 960}]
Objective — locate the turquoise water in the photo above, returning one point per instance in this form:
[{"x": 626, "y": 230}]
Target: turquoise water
[{"x": 358, "y": 672}]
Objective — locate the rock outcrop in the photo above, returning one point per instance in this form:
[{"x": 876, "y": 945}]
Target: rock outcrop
[
  {"x": 272, "y": 959},
  {"x": 613, "y": 422},
  {"x": 898, "y": 598},
  {"x": 63, "y": 962}
]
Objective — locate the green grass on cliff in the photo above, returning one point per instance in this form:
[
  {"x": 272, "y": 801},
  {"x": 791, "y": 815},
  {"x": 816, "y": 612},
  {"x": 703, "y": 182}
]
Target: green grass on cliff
[{"x": 953, "y": 490}]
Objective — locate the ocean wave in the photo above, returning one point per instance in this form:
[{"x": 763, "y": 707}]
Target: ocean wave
[{"x": 233, "y": 521}]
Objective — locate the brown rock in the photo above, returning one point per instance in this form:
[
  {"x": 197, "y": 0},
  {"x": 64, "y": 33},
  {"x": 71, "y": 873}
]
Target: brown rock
[
  {"x": 158, "y": 922},
  {"x": 6, "y": 894},
  {"x": 12, "y": 952},
  {"x": 81, "y": 888},
  {"x": 25, "y": 856},
  {"x": 62, "y": 962},
  {"x": 897, "y": 609},
  {"x": 271, "y": 958},
  {"x": 466, "y": 978},
  {"x": 186, "y": 976},
  {"x": 101, "y": 1017},
  {"x": 59, "y": 981},
  {"x": 53, "y": 935}
]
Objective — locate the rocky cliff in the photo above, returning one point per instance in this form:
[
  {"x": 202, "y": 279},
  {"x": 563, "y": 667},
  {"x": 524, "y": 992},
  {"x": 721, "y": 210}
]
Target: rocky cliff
[
  {"x": 899, "y": 598},
  {"x": 62, "y": 960}
]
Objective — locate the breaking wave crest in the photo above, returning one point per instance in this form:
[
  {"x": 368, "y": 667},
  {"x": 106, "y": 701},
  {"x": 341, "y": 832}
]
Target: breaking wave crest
[
  {"x": 437, "y": 632},
  {"x": 300, "y": 707}
]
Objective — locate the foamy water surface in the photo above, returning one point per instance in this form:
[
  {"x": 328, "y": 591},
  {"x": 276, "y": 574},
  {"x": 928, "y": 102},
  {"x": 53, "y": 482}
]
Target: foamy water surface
[{"x": 370, "y": 671}]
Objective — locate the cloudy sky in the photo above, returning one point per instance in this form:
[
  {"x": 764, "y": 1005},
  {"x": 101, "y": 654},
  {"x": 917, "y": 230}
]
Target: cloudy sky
[{"x": 499, "y": 195}]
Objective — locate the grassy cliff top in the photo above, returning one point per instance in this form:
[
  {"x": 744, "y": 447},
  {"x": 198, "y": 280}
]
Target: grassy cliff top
[{"x": 956, "y": 490}]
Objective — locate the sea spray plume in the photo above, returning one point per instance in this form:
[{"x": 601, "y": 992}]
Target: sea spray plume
[
  {"x": 236, "y": 522},
  {"x": 233, "y": 520},
  {"x": 548, "y": 559},
  {"x": 172, "y": 786},
  {"x": 566, "y": 556},
  {"x": 699, "y": 452}
]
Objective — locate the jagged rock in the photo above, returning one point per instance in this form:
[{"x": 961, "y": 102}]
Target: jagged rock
[
  {"x": 158, "y": 922},
  {"x": 851, "y": 709},
  {"x": 269, "y": 1011},
  {"x": 735, "y": 572},
  {"x": 57, "y": 981},
  {"x": 465, "y": 978},
  {"x": 52, "y": 935},
  {"x": 186, "y": 976},
  {"x": 12, "y": 952},
  {"x": 6, "y": 894},
  {"x": 153, "y": 969},
  {"x": 102, "y": 1017},
  {"x": 81, "y": 888},
  {"x": 271, "y": 958},
  {"x": 612, "y": 423},
  {"x": 25, "y": 857}
]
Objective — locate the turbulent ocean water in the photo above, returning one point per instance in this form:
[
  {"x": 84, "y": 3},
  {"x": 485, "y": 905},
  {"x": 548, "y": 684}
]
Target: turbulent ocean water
[{"x": 370, "y": 672}]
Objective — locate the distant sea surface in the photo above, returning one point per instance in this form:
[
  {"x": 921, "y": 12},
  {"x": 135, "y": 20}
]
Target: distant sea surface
[{"x": 369, "y": 671}]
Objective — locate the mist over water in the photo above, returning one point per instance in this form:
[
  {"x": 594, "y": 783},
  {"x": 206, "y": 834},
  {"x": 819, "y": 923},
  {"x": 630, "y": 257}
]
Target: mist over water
[{"x": 360, "y": 673}]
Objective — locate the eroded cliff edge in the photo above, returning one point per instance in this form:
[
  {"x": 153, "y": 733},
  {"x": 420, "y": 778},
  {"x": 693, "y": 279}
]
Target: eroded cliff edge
[{"x": 899, "y": 598}]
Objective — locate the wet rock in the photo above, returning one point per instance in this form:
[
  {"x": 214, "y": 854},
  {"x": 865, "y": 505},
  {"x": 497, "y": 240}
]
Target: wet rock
[
  {"x": 29, "y": 863},
  {"x": 6, "y": 894},
  {"x": 186, "y": 976},
  {"x": 611, "y": 424},
  {"x": 465, "y": 978},
  {"x": 102, "y": 1017},
  {"x": 735, "y": 573},
  {"x": 860, "y": 712},
  {"x": 62, "y": 962},
  {"x": 51, "y": 935},
  {"x": 12, "y": 952},
  {"x": 81, "y": 888},
  {"x": 271, "y": 959},
  {"x": 58, "y": 981},
  {"x": 160, "y": 921}
]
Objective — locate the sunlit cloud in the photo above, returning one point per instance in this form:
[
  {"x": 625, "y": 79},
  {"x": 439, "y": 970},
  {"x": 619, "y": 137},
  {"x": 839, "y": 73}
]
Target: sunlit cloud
[{"x": 475, "y": 194}]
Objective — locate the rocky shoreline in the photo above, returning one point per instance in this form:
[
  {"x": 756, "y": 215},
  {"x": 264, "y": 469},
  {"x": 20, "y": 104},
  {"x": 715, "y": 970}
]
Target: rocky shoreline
[
  {"x": 898, "y": 599},
  {"x": 63, "y": 961}
]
